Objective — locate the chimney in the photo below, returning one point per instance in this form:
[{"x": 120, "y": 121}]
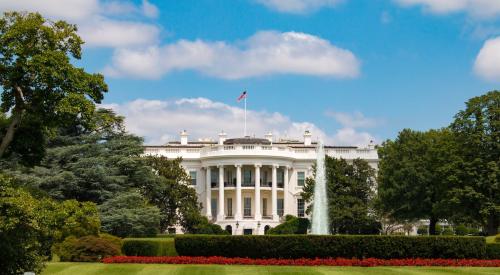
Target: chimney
[
  {"x": 371, "y": 145},
  {"x": 184, "y": 137},
  {"x": 307, "y": 138},
  {"x": 269, "y": 136},
  {"x": 222, "y": 137}
]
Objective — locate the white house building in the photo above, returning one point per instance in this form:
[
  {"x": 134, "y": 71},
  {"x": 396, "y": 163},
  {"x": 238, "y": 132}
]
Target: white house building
[{"x": 247, "y": 184}]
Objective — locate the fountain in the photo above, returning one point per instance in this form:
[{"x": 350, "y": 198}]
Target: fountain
[{"x": 320, "y": 224}]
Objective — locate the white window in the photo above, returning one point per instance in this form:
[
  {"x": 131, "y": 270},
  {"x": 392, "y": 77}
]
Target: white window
[
  {"x": 301, "y": 178},
  {"x": 214, "y": 207},
  {"x": 247, "y": 177},
  {"x": 193, "y": 174},
  {"x": 214, "y": 177},
  {"x": 300, "y": 208},
  {"x": 281, "y": 204},
  {"x": 247, "y": 208},
  {"x": 264, "y": 207},
  {"x": 229, "y": 207}
]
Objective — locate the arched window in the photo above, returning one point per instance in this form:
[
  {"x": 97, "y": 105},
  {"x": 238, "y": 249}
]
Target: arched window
[{"x": 229, "y": 229}]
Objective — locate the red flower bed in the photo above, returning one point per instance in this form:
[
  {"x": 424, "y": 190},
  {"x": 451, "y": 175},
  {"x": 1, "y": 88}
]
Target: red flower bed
[{"x": 302, "y": 262}]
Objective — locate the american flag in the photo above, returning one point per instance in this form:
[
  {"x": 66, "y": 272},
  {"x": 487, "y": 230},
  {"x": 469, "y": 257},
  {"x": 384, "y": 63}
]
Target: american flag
[{"x": 242, "y": 96}]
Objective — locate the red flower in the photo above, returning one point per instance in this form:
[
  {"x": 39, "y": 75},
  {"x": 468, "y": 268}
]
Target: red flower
[{"x": 369, "y": 262}]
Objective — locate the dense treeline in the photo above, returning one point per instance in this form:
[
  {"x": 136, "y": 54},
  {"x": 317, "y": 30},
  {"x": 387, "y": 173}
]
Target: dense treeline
[
  {"x": 69, "y": 171},
  {"x": 448, "y": 174}
]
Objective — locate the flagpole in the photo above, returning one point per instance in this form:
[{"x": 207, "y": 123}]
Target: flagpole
[{"x": 245, "y": 116}]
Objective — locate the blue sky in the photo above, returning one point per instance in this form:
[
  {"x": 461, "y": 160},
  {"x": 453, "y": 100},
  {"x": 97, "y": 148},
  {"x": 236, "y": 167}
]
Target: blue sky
[{"x": 350, "y": 70}]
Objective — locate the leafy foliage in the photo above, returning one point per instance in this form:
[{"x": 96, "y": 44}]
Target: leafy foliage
[
  {"x": 19, "y": 231},
  {"x": 63, "y": 219},
  {"x": 350, "y": 189},
  {"x": 478, "y": 131},
  {"x": 41, "y": 88},
  {"x": 128, "y": 214},
  {"x": 416, "y": 172},
  {"x": 292, "y": 225},
  {"x": 328, "y": 246},
  {"x": 178, "y": 203},
  {"x": 86, "y": 249}
]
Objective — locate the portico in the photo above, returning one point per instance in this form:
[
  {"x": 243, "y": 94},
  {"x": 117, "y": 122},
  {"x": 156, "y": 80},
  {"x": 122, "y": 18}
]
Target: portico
[{"x": 246, "y": 185}]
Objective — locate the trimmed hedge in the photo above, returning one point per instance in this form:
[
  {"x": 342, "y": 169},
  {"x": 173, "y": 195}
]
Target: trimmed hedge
[
  {"x": 337, "y": 246},
  {"x": 493, "y": 250},
  {"x": 149, "y": 247}
]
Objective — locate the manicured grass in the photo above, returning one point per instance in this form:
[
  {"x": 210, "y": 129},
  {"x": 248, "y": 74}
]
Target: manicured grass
[
  {"x": 157, "y": 269},
  {"x": 490, "y": 239}
]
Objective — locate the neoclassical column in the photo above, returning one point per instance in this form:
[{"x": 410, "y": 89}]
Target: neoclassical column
[
  {"x": 257, "y": 213},
  {"x": 208, "y": 190},
  {"x": 238, "y": 215},
  {"x": 220, "y": 214},
  {"x": 274, "y": 194},
  {"x": 285, "y": 190}
]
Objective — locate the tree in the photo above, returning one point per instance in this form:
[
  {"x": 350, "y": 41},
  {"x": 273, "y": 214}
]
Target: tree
[
  {"x": 41, "y": 88},
  {"x": 478, "y": 132},
  {"x": 416, "y": 172},
  {"x": 129, "y": 215},
  {"x": 171, "y": 193},
  {"x": 60, "y": 220},
  {"x": 350, "y": 189},
  {"x": 19, "y": 231},
  {"x": 292, "y": 225},
  {"x": 88, "y": 163}
]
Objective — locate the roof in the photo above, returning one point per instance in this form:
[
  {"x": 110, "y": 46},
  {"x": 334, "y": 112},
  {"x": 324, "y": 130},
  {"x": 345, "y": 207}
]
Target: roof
[{"x": 247, "y": 140}]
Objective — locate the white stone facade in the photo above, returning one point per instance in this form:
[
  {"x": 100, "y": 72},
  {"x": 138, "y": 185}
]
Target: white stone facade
[{"x": 241, "y": 205}]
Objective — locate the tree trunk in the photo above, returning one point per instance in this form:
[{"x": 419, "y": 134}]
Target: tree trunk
[
  {"x": 432, "y": 226},
  {"x": 492, "y": 225},
  {"x": 16, "y": 119}
]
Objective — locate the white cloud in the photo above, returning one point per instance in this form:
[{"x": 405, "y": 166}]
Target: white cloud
[
  {"x": 149, "y": 9},
  {"x": 487, "y": 64},
  {"x": 354, "y": 120},
  {"x": 298, "y": 6},
  {"x": 264, "y": 53},
  {"x": 476, "y": 8},
  {"x": 67, "y": 9},
  {"x": 92, "y": 17},
  {"x": 102, "y": 32},
  {"x": 161, "y": 121}
]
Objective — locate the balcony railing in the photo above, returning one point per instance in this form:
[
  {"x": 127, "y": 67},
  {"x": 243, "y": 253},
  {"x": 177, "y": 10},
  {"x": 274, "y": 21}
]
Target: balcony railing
[
  {"x": 258, "y": 150},
  {"x": 248, "y": 184}
]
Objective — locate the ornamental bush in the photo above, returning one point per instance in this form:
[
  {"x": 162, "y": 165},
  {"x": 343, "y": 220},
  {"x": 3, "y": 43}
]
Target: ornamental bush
[
  {"x": 149, "y": 247},
  {"x": 86, "y": 249},
  {"x": 337, "y": 246},
  {"x": 461, "y": 230},
  {"x": 292, "y": 225}
]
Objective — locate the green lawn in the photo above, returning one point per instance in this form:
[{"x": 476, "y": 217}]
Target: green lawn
[{"x": 158, "y": 269}]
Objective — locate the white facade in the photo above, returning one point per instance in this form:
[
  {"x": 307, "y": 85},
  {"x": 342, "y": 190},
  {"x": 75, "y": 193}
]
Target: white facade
[{"x": 241, "y": 205}]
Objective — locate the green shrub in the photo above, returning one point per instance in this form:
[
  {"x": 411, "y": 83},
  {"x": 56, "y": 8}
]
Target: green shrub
[
  {"x": 447, "y": 231},
  {"x": 292, "y": 225},
  {"x": 474, "y": 231},
  {"x": 497, "y": 238},
  {"x": 149, "y": 247},
  {"x": 423, "y": 230},
  {"x": 493, "y": 251},
  {"x": 345, "y": 246},
  {"x": 113, "y": 239},
  {"x": 461, "y": 230},
  {"x": 85, "y": 249}
]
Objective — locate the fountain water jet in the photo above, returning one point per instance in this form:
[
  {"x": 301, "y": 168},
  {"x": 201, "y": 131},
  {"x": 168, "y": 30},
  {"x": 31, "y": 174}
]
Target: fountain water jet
[{"x": 320, "y": 224}]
